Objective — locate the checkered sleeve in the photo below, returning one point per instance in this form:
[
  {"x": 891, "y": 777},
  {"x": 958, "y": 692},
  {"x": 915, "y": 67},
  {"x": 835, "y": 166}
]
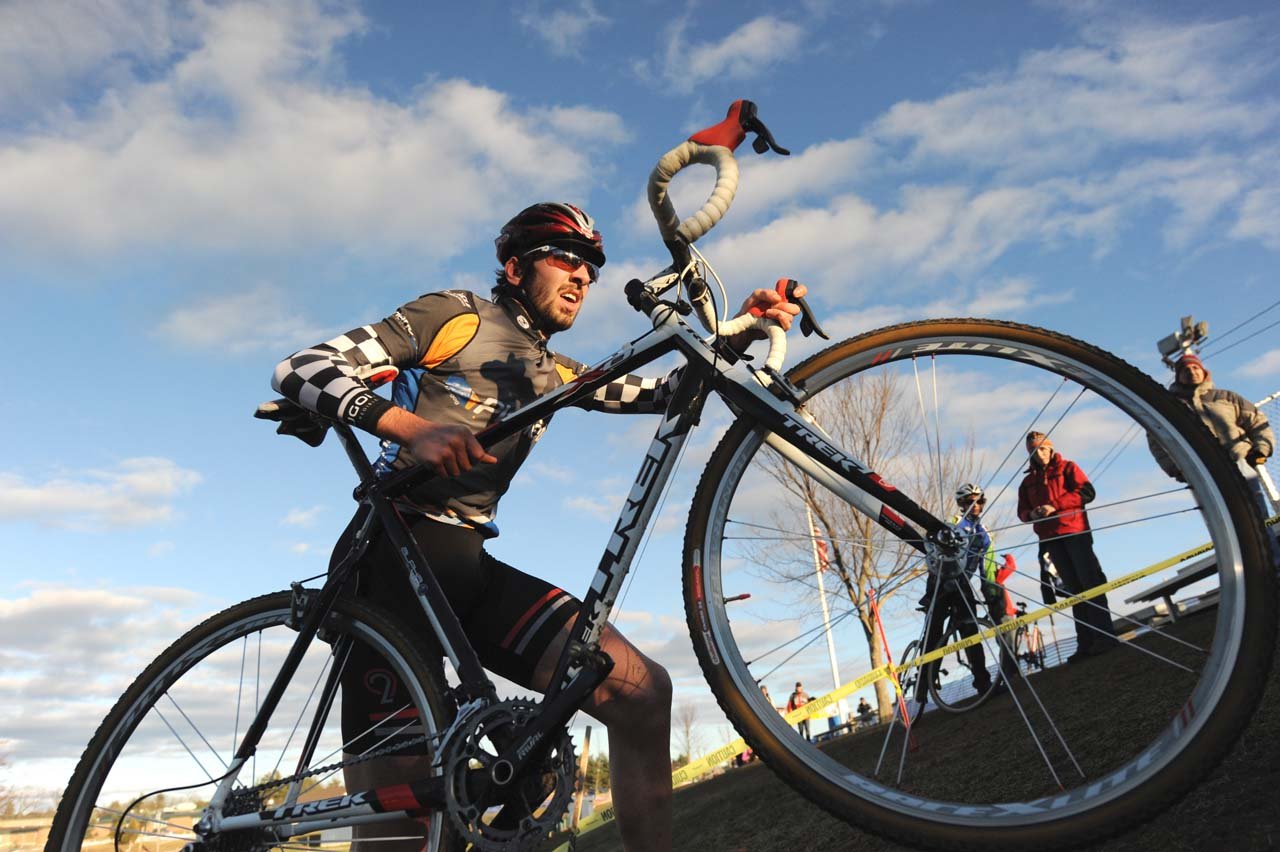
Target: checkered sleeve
[
  {"x": 635, "y": 394},
  {"x": 329, "y": 378}
]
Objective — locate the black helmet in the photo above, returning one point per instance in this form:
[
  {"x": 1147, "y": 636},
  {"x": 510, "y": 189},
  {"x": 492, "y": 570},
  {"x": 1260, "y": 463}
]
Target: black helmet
[{"x": 551, "y": 223}]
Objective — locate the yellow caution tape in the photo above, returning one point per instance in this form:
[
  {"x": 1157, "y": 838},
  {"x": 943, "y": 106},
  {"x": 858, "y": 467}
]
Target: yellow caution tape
[{"x": 714, "y": 758}]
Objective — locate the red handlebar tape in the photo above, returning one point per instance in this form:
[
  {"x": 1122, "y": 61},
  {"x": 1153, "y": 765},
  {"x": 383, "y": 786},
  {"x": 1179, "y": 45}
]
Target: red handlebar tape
[{"x": 728, "y": 133}]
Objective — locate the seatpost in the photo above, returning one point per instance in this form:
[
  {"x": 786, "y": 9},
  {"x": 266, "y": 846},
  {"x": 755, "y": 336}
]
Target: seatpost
[{"x": 355, "y": 453}]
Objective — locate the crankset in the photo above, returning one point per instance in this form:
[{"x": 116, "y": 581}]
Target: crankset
[{"x": 527, "y": 809}]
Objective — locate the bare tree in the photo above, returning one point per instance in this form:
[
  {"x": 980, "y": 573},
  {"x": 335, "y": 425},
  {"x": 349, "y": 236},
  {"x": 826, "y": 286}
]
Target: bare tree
[
  {"x": 878, "y": 419},
  {"x": 23, "y": 801},
  {"x": 683, "y": 720}
]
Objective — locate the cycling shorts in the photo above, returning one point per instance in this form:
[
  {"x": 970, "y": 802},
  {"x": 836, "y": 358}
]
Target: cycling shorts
[{"x": 509, "y": 616}]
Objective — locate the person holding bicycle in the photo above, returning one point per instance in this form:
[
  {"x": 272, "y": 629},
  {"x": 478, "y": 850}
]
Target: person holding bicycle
[
  {"x": 952, "y": 599},
  {"x": 464, "y": 361}
]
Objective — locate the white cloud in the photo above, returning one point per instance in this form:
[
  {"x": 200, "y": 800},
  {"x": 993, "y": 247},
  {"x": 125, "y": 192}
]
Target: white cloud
[
  {"x": 1260, "y": 216},
  {"x": 248, "y": 137},
  {"x": 302, "y": 517},
  {"x": 587, "y": 123},
  {"x": 137, "y": 492},
  {"x": 47, "y": 45},
  {"x": 300, "y": 548},
  {"x": 1130, "y": 83},
  {"x": 1266, "y": 364},
  {"x": 603, "y": 508},
  {"x": 64, "y": 660},
  {"x": 563, "y": 30},
  {"x": 160, "y": 548},
  {"x": 746, "y": 52},
  {"x": 218, "y": 322}
]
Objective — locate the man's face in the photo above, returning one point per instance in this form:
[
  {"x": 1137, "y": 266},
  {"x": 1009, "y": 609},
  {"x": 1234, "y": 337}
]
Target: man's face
[
  {"x": 974, "y": 507},
  {"x": 1042, "y": 453},
  {"x": 1191, "y": 374},
  {"x": 556, "y": 293}
]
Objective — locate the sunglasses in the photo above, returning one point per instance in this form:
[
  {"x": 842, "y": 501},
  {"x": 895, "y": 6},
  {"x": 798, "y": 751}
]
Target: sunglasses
[{"x": 564, "y": 259}]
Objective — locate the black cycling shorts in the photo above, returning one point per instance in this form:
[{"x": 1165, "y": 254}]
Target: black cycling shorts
[{"x": 509, "y": 616}]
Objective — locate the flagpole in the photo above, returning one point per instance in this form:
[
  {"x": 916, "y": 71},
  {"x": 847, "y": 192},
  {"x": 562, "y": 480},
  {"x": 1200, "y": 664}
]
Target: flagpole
[{"x": 819, "y": 569}]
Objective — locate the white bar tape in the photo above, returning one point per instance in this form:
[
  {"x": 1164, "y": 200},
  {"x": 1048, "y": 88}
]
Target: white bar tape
[
  {"x": 717, "y": 203},
  {"x": 777, "y": 337}
]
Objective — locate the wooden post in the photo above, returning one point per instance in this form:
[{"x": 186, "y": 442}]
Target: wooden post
[{"x": 583, "y": 760}]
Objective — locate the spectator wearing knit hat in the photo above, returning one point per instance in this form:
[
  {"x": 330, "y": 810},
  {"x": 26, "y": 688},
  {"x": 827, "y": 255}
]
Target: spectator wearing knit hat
[
  {"x": 1053, "y": 495},
  {"x": 1232, "y": 419},
  {"x": 1241, "y": 428}
]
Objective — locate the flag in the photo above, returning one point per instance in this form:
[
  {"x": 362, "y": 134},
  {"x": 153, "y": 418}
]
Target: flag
[{"x": 821, "y": 545}]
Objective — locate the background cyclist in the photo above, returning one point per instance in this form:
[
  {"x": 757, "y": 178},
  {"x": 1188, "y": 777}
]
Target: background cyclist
[
  {"x": 981, "y": 560},
  {"x": 953, "y": 599},
  {"x": 464, "y": 362}
]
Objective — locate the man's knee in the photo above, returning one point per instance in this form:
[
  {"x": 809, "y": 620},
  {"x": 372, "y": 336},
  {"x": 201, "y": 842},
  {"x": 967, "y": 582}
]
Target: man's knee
[{"x": 637, "y": 693}]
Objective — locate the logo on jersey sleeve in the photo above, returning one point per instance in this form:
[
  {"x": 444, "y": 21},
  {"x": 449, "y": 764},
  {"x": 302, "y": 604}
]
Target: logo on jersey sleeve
[
  {"x": 460, "y": 393},
  {"x": 462, "y": 296}
]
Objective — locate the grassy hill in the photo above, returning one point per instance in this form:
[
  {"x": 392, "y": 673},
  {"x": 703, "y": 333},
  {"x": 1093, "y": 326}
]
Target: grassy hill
[{"x": 749, "y": 810}]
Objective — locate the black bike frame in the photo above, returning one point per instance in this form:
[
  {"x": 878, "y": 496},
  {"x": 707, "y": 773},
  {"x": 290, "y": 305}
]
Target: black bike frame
[{"x": 708, "y": 368}]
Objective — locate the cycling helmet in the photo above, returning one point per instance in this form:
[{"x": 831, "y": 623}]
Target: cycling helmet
[
  {"x": 551, "y": 223},
  {"x": 968, "y": 492}
]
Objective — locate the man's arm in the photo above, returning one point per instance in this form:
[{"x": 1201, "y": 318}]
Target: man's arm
[
  {"x": 1072, "y": 500},
  {"x": 451, "y": 450},
  {"x": 642, "y": 395},
  {"x": 1024, "y": 504},
  {"x": 1262, "y": 440},
  {"x": 327, "y": 378}
]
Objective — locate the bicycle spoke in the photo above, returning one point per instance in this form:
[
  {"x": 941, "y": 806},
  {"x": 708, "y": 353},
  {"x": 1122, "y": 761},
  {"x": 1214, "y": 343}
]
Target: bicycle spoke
[{"x": 202, "y": 695}]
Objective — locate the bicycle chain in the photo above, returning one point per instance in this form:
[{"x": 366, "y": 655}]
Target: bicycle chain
[{"x": 333, "y": 767}]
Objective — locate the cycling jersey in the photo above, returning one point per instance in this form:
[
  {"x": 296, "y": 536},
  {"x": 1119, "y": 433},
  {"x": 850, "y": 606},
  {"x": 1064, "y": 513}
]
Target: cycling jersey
[
  {"x": 463, "y": 360},
  {"x": 466, "y": 361}
]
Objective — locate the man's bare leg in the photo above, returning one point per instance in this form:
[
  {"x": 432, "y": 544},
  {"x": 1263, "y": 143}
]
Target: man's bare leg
[
  {"x": 634, "y": 703},
  {"x": 410, "y": 834}
]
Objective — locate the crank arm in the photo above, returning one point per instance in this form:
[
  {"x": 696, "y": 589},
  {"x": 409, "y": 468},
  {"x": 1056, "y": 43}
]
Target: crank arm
[{"x": 530, "y": 744}]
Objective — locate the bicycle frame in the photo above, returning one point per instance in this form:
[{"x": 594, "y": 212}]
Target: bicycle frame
[{"x": 709, "y": 368}]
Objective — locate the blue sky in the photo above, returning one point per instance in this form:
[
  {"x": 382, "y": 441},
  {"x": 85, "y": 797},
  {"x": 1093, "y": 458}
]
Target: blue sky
[{"x": 189, "y": 192}]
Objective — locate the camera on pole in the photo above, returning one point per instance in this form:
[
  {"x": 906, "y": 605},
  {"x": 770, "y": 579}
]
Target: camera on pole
[{"x": 1190, "y": 337}]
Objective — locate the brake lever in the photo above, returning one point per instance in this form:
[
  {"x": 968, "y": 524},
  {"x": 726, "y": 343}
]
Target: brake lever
[
  {"x": 808, "y": 321},
  {"x": 751, "y": 123}
]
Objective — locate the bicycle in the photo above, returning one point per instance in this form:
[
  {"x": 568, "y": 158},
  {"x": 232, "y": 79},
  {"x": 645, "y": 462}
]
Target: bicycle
[
  {"x": 461, "y": 751},
  {"x": 953, "y": 681}
]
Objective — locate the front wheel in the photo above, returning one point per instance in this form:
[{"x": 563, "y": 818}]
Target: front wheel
[
  {"x": 1078, "y": 751},
  {"x": 964, "y": 678},
  {"x": 156, "y": 757}
]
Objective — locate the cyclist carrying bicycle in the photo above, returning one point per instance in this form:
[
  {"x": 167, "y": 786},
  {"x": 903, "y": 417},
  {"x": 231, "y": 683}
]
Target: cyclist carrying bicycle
[{"x": 461, "y": 363}]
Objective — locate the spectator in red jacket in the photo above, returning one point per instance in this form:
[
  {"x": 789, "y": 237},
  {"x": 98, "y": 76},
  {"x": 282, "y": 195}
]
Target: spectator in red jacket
[{"x": 1053, "y": 495}]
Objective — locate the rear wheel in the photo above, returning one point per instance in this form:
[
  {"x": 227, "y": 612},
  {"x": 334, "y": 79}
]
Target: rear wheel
[
  {"x": 1085, "y": 749},
  {"x": 155, "y": 759}
]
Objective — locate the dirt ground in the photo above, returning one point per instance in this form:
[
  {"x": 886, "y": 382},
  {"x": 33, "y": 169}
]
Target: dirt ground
[{"x": 1237, "y": 807}]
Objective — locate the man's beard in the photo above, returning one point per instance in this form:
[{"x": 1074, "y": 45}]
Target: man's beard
[{"x": 543, "y": 302}]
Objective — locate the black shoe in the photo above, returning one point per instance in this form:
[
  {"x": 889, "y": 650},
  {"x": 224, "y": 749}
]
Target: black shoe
[
  {"x": 1079, "y": 655},
  {"x": 983, "y": 687},
  {"x": 1000, "y": 688}
]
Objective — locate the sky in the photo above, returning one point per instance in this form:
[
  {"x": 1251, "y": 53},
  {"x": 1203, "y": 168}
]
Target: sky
[{"x": 191, "y": 191}]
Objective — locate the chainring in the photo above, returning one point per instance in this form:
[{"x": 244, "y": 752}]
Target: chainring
[{"x": 543, "y": 795}]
